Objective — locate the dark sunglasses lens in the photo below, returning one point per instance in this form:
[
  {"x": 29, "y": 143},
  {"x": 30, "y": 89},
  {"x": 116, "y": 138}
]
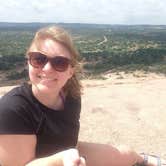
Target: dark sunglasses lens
[
  {"x": 37, "y": 59},
  {"x": 60, "y": 63}
]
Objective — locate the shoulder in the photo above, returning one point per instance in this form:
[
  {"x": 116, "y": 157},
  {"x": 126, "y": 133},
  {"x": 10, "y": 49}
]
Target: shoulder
[
  {"x": 16, "y": 100},
  {"x": 16, "y": 93},
  {"x": 18, "y": 97},
  {"x": 73, "y": 102},
  {"x": 73, "y": 107},
  {"x": 17, "y": 111}
]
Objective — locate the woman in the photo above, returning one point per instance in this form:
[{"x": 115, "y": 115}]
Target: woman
[{"x": 39, "y": 121}]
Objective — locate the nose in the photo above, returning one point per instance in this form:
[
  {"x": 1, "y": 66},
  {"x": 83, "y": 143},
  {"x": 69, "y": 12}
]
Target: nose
[{"x": 47, "y": 67}]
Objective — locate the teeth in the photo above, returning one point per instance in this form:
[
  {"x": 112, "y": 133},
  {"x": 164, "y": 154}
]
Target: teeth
[{"x": 46, "y": 79}]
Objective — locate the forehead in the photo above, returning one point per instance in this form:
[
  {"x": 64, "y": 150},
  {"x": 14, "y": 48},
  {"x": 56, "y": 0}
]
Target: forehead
[{"x": 50, "y": 48}]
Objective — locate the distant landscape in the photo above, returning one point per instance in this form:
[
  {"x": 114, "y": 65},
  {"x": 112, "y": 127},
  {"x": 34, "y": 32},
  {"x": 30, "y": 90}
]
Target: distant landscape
[
  {"x": 124, "y": 78},
  {"x": 102, "y": 48}
]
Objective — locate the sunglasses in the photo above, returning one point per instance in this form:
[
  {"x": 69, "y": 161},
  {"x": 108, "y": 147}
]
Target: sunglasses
[{"x": 39, "y": 60}]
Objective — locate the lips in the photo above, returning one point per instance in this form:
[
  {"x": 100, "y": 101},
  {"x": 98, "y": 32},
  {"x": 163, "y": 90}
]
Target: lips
[{"x": 47, "y": 79}]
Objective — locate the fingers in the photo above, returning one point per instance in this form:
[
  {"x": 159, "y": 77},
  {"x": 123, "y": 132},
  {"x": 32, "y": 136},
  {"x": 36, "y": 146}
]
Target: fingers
[
  {"x": 163, "y": 162},
  {"x": 71, "y": 158},
  {"x": 82, "y": 161}
]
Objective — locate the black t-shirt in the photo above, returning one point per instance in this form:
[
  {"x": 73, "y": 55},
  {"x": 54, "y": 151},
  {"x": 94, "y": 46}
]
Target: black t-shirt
[{"x": 56, "y": 130}]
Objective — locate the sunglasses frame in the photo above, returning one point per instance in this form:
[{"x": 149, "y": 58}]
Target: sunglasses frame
[{"x": 54, "y": 61}]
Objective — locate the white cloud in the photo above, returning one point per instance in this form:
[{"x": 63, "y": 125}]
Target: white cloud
[{"x": 90, "y": 11}]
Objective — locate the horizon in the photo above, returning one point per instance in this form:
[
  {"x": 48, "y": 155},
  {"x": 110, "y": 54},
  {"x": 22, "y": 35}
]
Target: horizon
[{"x": 35, "y": 22}]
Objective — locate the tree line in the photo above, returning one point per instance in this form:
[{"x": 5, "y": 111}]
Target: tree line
[{"x": 125, "y": 46}]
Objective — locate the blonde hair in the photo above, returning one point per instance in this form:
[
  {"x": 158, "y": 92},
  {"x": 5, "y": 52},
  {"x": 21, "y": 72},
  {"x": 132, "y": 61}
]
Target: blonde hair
[{"x": 58, "y": 34}]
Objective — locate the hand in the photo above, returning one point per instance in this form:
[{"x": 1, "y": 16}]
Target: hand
[
  {"x": 68, "y": 157},
  {"x": 71, "y": 158},
  {"x": 153, "y": 160}
]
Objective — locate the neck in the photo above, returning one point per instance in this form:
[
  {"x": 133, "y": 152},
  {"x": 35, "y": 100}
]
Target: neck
[{"x": 51, "y": 100}]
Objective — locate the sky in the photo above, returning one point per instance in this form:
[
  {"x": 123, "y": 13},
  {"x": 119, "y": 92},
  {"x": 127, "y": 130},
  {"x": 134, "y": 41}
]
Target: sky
[{"x": 84, "y": 11}]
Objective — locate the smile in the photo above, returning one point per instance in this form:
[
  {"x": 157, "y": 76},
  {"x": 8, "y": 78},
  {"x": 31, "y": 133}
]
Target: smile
[{"x": 47, "y": 79}]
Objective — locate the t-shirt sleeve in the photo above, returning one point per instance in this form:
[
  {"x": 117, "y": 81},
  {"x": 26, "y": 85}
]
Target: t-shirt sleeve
[{"x": 15, "y": 117}]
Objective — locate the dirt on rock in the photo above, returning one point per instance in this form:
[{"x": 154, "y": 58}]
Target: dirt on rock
[{"x": 124, "y": 109}]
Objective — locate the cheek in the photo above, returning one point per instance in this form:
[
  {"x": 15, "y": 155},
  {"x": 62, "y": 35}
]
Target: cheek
[
  {"x": 32, "y": 73},
  {"x": 64, "y": 77}
]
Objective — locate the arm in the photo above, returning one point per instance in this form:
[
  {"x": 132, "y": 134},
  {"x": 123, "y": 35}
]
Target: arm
[
  {"x": 16, "y": 150},
  {"x": 19, "y": 150},
  {"x": 106, "y": 155}
]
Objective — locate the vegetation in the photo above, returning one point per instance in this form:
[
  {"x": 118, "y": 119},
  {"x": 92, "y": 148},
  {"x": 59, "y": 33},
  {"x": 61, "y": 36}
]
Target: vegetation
[{"x": 102, "y": 47}]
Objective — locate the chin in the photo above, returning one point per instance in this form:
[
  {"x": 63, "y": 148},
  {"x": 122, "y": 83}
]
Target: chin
[{"x": 46, "y": 88}]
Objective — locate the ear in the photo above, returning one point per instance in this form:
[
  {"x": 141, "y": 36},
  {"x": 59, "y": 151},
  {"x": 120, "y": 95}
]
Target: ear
[
  {"x": 71, "y": 72},
  {"x": 26, "y": 64}
]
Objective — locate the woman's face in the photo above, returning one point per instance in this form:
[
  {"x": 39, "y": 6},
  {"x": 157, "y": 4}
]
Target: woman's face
[{"x": 47, "y": 79}]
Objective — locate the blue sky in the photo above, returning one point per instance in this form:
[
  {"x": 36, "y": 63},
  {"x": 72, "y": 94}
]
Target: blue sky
[{"x": 84, "y": 11}]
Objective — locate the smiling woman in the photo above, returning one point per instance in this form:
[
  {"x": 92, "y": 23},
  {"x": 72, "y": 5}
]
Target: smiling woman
[
  {"x": 39, "y": 121},
  {"x": 55, "y": 46},
  {"x": 43, "y": 116}
]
